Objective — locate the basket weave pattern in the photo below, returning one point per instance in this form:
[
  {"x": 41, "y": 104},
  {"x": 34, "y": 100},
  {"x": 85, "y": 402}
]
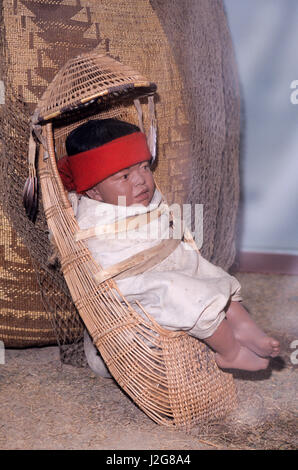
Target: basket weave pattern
[
  {"x": 149, "y": 35},
  {"x": 171, "y": 376},
  {"x": 90, "y": 77}
]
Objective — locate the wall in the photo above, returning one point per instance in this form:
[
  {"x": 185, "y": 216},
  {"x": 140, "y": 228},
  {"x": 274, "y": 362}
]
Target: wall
[{"x": 265, "y": 37}]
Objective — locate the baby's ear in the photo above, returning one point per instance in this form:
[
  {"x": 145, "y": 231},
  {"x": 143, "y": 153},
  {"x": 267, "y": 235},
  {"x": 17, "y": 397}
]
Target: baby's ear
[{"x": 94, "y": 193}]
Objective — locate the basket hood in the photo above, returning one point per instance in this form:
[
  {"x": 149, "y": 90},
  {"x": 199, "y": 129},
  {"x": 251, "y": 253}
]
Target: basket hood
[{"x": 86, "y": 79}]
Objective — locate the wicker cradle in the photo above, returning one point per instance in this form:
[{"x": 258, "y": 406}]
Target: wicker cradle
[{"x": 177, "y": 382}]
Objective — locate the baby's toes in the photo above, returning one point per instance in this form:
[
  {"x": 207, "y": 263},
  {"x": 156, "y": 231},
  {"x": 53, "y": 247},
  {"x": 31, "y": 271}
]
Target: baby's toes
[{"x": 275, "y": 348}]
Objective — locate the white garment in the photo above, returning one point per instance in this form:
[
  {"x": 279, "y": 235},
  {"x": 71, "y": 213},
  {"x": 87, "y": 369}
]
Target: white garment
[{"x": 183, "y": 292}]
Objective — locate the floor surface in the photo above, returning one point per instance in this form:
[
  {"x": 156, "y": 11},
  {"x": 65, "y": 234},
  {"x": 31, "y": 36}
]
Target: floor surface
[{"x": 49, "y": 405}]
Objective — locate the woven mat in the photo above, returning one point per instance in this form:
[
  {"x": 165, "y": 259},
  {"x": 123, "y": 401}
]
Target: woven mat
[
  {"x": 197, "y": 153},
  {"x": 22, "y": 318}
]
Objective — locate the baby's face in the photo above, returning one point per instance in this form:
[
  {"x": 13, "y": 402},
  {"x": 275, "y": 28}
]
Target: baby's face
[{"x": 135, "y": 185}]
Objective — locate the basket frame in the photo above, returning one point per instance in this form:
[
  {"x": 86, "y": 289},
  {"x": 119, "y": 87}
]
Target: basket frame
[{"x": 177, "y": 383}]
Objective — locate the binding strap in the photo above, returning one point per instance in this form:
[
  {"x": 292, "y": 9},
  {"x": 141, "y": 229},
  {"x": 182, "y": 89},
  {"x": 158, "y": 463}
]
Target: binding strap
[
  {"x": 143, "y": 261},
  {"x": 139, "y": 263},
  {"x": 124, "y": 225}
]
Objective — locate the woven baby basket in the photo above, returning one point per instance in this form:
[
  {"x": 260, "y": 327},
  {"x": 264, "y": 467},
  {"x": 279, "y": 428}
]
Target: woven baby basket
[{"x": 175, "y": 380}]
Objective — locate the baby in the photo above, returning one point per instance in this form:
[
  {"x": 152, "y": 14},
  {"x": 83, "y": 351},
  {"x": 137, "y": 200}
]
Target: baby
[{"x": 108, "y": 166}]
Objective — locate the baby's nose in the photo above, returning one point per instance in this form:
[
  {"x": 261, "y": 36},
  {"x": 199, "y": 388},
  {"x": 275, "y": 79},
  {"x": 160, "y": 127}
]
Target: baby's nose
[{"x": 138, "y": 177}]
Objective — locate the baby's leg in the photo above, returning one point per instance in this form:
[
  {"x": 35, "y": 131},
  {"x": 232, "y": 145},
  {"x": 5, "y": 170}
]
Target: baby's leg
[
  {"x": 249, "y": 334},
  {"x": 230, "y": 354}
]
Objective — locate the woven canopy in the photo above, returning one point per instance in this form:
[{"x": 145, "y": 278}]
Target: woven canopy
[{"x": 86, "y": 79}]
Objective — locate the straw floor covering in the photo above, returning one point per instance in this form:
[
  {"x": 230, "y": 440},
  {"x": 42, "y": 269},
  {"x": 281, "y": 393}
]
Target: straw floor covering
[{"x": 46, "y": 405}]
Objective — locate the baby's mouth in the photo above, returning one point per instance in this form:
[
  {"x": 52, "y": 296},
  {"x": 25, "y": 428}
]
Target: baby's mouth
[{"x": 142, "y": 195}]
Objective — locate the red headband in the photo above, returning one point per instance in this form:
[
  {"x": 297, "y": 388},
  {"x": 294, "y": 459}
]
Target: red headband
[{"x": 84, "y": 170}]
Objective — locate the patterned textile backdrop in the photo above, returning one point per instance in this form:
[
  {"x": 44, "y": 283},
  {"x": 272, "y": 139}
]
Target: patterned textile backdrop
[
  {"x": 38, "y": 37},
  {"x": 22, "y": 316}
]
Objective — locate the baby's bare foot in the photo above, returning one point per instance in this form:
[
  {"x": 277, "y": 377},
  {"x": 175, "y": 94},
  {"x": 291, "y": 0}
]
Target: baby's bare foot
[
  {"x": 245, "y": 359},
  {"x": 259, "y": 342},
  {"x": 249, "y": 334}
]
